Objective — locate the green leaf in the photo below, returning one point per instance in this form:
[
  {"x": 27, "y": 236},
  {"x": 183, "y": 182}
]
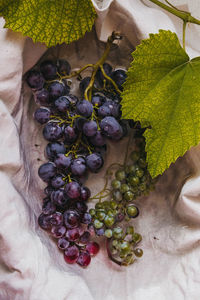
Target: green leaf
[
  {"x": 50, "y": 21},
  {"x": 163, "y": 91}
]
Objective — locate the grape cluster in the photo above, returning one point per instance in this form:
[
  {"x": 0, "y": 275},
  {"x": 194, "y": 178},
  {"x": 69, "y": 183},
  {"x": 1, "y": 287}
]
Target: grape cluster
[{"x": 76, "y": 131}]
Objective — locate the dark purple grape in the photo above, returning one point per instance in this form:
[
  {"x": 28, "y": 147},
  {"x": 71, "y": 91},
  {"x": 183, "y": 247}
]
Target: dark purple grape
[
  {"x": 42, "y": 115},
  {"x": 71, "y": 254},
  {"x": 63, "y": 162},
  {"x": 71, "y": 218},
  {"x": 48, "y": 190},
  {"x": 104, "y": 111},
  {"x": 119, "y": 76},
  {"x": 98, "y": 100},
  {"x": 70, "y": 134},
  {"x": 59, "y": 197},
  {"x": 84, "y": 84},
  {"x": 35, "y": 80},
  {"x": 84, "y": 259},
  {"x": 56, "y": 90},
  {"x": 54, "y": 149},
  {"x": 94, "y": 162},
  {"x": 79, "y": 122},
  {"x": 48, "y": 70},
  {"x": 52, "y": 132},
  {"x": 58, "y": 231},
  {"x": 72, "y": 99},
  {"x": 63, "y": 243},
  {"x": 48, "y": 208},
  {"x": 99, "y": 75},
  {"x": 62, "y": 104},
  {"x": 42, "y": 97},
  {"x": 85, "y": 193},
  {"x": 111, "y": 128},
  {"x": 78, "y": 166},
  {"x": 84, "y": 108},
  {"x": 114, "y": 108},
  {"x": 72, "y": 234},
  {"x": 47, "y": 171},
  {"x": 90, "y": 128},
  {"x": 85, "y": 237},
  {"x": 98, "y": 140},
  {"x": 63, "y": 67},
  {"x": 44, "y": 221},
  {"x": 57, "y": 219},
  {"x": 57, "y": 181},
  {"x": 81, "y": 207},
  {"x": 73, "y": 190},
  {"x": 86, "y": 219}
]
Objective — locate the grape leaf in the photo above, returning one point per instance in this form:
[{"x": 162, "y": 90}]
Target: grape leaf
[
  {"x": 162, "y": 91},
  {"x": 50, "y": 21}
]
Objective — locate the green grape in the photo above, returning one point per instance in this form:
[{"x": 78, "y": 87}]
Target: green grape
[
  {"x": 110, "y": 213},
  {"x": 97, "y": 224},
  {"x": 132, "y": 211},
  {"x": 138, "y": 252},
  {"x": 92, "y": 212},
  {"x": 134, "y": 156},
  {"x": 128, "y": 196},
  {"x": 125, "y": 247},
  {"x": 128, "y": 260},
  {"x": 113, "y": 204},
  {"x": 117, "y": 196},
  {"x": 109, "y": 221},
  {"x": 99, "y": 205},
  {"x": 108, "y": 233},
  {"x": 124, "y": 188},
  {"x": 115, "y": 244},
  {"x": 130, "y": 230},
  {"x": 142, "y": 163},
  {"x": 120, "y": 175},
  {"x": 116, "y": 184},
  {"x": 100, "y": 215},
  {"x": 133, "y": 180},
  {"x": 118, "y": 233},
  {"x": 142, "y": 186},
  {"x": 139, "y": 173},
  {"x": 137, "y": 238}
]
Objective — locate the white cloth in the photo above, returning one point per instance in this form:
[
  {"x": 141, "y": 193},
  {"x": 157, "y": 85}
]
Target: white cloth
[{"x": 31, "y": 267}]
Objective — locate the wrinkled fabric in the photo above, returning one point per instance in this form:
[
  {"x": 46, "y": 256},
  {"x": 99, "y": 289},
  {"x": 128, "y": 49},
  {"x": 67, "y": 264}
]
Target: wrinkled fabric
[{"x": 31, "y": 266}]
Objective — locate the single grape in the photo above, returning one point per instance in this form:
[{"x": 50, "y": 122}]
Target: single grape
[
  {"x": 108, "y": 233},
  {"x": 79, "y": 122},
  {"x": 56, "y": 90},
  {"x": 104, "y": 111},
  {"x": 63, "y": 243},
  {"x": 124, "y": 188},
  {"x": 42, "y": 115},
  {"x": 58, "y": 231},
  {"x": 94, "y": 162},
  {"x": 48, "y": 208},
  {"x": 86, "y": 219},
  {"x": 137, "y": 237},
  {"x": 97, "y": 224},
  {"x": 119, "y": 76},
  {"x": 138, "y": 252},
  {"x": 125, "y": 247},
  {"x": 59, "y": 197},
  {"x": 100, "y": 231},
  {"x": 62, "y": 104},
  {"x": 44, "y": 221},
  {"x": 78, "y": 166},
  {"x": 48, "y": 70},
  {"x": 85, "y": 193},
  {"x": 70, "y": 134},
  {"x": 57, "y": 181},
  {"x": 128, "y": 196},
  {"x": 71, "y": 218},
  {"x": 47, "y": 171},
  {"x": 81, "y": 207},
  {"x": 120, "y": 175},
  {"x": 63, "y": 162},
  {"x": 118, "y": 233},
  {"x": 71, "y": 254},
  {"x": 100, "y": 215},
  {"x": 98, "y": 100},
  {"x": 52, "y": 132},
  {"x": 54, "y": 149},
  {"x": 132, "y": 211},
  {"x": 84, "y": 259},
  {"x": 117, "y": 195},
  {"x": 35, "y": 80},
  {"x": 63, "y": 67},
  {"x": 84, "y": 108},
  {"x": 98, "y": 139},
  {"x": 84, "y": 84},
  {"x": 85, "y": 237},
  {"x": 90, "y": 128},
  {"x": 133, "y": 180},
  {"x": 109, "y": 221},
  {"x": 73, "y": 190},
  {"x": 111, "y": 128},
  {"x": 41, "y": 97},
  {"x": 113, "y": 107},
  {"x": 56, "y": 219},
  {"x": 116, "y": 184},
  {"x": 72, "y": 234}
]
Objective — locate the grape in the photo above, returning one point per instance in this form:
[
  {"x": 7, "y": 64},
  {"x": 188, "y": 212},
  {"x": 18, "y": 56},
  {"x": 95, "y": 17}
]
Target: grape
[
  {"x": 44, "y": 221},
  {"x": 48, "y": 190},
  {"x": 59, "y": 197},
  {"x": 58, "y": 231},
  {"x": 56, "y": 219},
  {"x": 85, "y": 193},
  {"x": 63, "y": 67},
  {"x": 62, "y": 104},
  {"x": 48, "y": 70},
  {"x": 98, "y": 139},
  {"x": 52, "y": 132},
  {"x": 108, "y": 233},
  {"x": 62, "y": 161},
  {"x": 57, "y": 181},
  {"x": 48, "y": 208},
  {"x": 70, "y": 134},
  {"x": 72, "y": 99},
  {"x": 78, "y": 166},
  {"x": 84, "y": 259},
  {"x": 114, "y": 108},
  {"x": 100, "y": 231},
  {"x": 138, "y": 252},
  {"x": 72, "y": 234},
  {"x": 71, "y": 218},
  {"x": 99, "y": 75},
  {"x": 84, "y": 108},
  {"x": 98, "y": 100},
  {"x": 84, "y": 84},
  {"x": 47, "y": 171},
  {"x": 71, "y": 254},
  {"x": 54, "y": 149},
  {"x": 104, "y": 111},
  {"x": 56, "y": 90},
  {"x": 90, "y": 128},
  {"x": 42, "y": 115},
  {"x": 119, "y": 76},
  {"x": 111, "y": 128},
  {"x": 73, "y": 190},
  {"x": 94, "y": 162},
  {"x": 63, "y": 243},
  {"x": 85, "y": 237},
  {"x": 42, "y": 97},
  {"x": 132, "y": 211},
  {"x": 86, "y": 219},
  {"x": 81, "y": 207},
  {"x": 35, "y": 80}
]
